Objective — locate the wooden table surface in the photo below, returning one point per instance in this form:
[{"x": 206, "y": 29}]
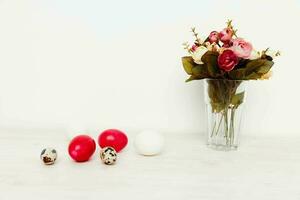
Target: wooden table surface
[{"x": 262, "y": 168}]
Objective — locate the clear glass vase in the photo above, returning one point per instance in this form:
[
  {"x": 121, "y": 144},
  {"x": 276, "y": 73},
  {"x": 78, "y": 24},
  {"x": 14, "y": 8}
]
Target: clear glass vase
[{"x": 224, "y": 101}]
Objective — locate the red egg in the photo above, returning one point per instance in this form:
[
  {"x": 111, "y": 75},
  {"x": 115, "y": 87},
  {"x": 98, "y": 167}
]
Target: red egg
[
  {"x": 113, "y": 138},
  {"x": 81, "y": 148}
]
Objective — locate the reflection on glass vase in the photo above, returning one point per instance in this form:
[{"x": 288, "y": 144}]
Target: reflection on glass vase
[{"x": 224, "y": 101}]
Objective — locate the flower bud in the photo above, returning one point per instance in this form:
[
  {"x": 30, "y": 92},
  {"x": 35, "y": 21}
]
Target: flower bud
[
  {"x": 213, "y": 37},
  {"x": 226, "y": 35}
]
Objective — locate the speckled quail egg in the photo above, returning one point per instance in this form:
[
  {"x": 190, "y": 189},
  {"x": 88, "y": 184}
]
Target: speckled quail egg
[
  {"x": 108, "y": 155},
  {"x": 48, "y": 156}
]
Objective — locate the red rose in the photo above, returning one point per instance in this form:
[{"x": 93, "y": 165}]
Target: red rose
[{"x": 227, "y": 60}]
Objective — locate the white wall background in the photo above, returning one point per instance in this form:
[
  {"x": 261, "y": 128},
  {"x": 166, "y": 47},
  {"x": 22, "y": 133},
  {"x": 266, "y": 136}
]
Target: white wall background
[{"x": 102, "y": 64}]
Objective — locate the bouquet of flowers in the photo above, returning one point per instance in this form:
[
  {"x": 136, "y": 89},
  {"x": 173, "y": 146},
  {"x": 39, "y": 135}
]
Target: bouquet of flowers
[{"x": 225, "y": 61}]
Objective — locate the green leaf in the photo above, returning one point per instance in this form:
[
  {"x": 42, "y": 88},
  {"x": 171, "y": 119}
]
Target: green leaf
[
  {"x": 217, "y": 107},
  {"x": 252, "y": 70},
  {"x": 191, "y": 78},
  {"x": 264, "y": 69},
  {"x": 188, "y": 64},
  {"x": 238, "y": 74},
  {"x": 197, "y": 70},
  {"x": 253, "y": 76},
  {"x": 238, "y": 99},
  {"x": 210, "y": 59},
  {"x": 222, "y": 94},
  {"x": 242, "y": 63},
  {"x": 200, "y": 71},
  {"x": 256, "y": 68}
]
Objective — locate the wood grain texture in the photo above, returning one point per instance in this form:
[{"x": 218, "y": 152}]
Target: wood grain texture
[{"x": 262, "y": 168}]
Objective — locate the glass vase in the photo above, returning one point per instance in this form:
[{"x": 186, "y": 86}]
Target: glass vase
[{"x": 224, "y": 101}]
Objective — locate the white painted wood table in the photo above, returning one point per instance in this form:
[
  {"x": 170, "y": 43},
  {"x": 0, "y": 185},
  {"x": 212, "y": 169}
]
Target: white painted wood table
[{"x": 265, "y": 168}]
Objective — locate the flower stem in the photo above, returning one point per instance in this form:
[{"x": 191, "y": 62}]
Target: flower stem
[
  {"x": 212, "y": 132},
  {"x": 232, "y": 126},
  {"x": 220, "y": 122},
  {"x": 226, "y": 126}
]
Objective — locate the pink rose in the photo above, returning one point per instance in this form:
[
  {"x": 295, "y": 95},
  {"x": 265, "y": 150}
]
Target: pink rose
[
  {"x": 213, "y": 37},
  {"x": 241, "y": 48},
  {"x": 227, "y": 60},
  {"x": 226, "y": 35}
]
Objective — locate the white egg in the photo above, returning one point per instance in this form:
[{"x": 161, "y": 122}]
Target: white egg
[{"x": 149, "y": 143}]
